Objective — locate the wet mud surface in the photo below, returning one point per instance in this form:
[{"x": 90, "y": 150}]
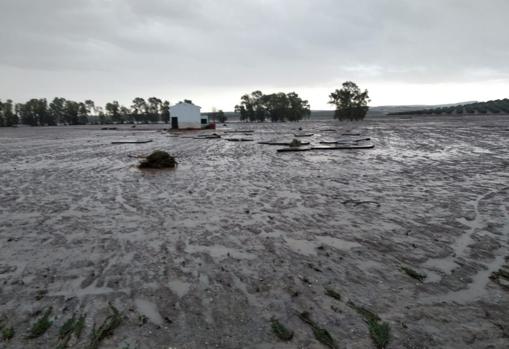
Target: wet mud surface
[{"x": 203, "y": 256}]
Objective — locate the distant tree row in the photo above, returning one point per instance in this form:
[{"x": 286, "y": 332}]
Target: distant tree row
[
  {"x": 351, "y": 104},
  {"x": 499, "y": 106},
  {"x": 274, "y": 107},
  {"x": 61, "y": 111}
]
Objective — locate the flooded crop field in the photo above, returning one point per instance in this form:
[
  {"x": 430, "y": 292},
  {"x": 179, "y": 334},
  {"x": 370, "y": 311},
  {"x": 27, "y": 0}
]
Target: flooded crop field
[{"x": 240, "y": 246}]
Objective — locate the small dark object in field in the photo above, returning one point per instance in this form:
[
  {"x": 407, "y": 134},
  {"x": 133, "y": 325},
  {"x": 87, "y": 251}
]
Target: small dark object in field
[
  {"x": 339, "y": 147},
  {"x": 281, "y": 331},
  {"x": 295, "y": 143},
  {"x": 303, "y": 134},
  {"x": 132, "y": 142},
  {"x": 414, "y": 274},
  {"x": 239, "y": 139},
  {"x": 331, "y": 293},
  {"x": 282, "y": 143},
  {"x": 40, "y": 294},
  {"x": 368, "y": 315},
  {"x": 158, "y": 159},
  {"x": 106, "y": 329},
  {"x": 380, "y": 333},
  {"x": 41, "y": 325},
  {"x": 108, "y": 128},
  {"x": 321, "y": 334},
  {"x": 286, "y": 150},
  {"x": 7, "y": 333}
]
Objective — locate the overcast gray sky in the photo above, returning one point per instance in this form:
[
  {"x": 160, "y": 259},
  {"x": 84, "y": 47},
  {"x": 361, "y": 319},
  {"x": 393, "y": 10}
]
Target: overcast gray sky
[{"x": 402, "y": 51}]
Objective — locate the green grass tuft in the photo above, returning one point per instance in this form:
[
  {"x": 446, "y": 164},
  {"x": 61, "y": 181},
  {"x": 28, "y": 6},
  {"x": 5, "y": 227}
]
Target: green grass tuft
[
  {"x": 7, "y": 333},
  {"x": 106, "y": 329},
  {"x": 380, "y": 333},
  {"x": 414, "y": 274},
  {"x": 368, "y": 315},
  {"x": 42, "y": 325},
  {"x": 321, "y": 334},
  {"x": 281, "y": 331}
]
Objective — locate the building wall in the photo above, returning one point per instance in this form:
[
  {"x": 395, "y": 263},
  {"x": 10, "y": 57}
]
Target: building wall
[{"x": 188, "y": 115}]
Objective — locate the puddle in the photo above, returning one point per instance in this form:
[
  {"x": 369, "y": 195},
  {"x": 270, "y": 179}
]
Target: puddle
[{"x": 179, "y": 287}]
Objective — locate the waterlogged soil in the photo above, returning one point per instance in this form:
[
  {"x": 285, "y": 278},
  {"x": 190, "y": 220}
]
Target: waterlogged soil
[{"x": 204, "y": 255}]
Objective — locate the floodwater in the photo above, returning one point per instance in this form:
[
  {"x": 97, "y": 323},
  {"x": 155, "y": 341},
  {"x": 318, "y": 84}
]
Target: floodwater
[{"x": 206, "y": 254}]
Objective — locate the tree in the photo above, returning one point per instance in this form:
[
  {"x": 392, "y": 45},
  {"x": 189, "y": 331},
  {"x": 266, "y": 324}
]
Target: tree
[
  {"x": 221, "y": 117},
  {"x": 154, "y": 105},
  {"x": 351, "y": 103},
  {"x": 165, "y": 112},
  {"x": 276, "y": 106},
  {"x": 7, "y": 116},
  {"x": 113, "y": 110},
  {"x": 71, "y": 112},
  {"x": 139, "y": 108},
  {"x": 56, "y": 109}
]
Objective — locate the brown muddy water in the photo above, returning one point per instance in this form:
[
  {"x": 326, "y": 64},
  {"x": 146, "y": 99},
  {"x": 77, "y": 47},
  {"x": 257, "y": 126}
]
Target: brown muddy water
[{"x": 205, "y": 255}]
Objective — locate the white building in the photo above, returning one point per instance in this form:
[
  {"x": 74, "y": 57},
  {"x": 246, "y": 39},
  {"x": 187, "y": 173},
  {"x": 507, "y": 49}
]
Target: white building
[{"x": 187, "y": 115}]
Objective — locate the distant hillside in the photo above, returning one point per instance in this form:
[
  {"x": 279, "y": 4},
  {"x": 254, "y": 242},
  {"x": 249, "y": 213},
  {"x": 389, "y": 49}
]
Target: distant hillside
[
  {"x": 499, "y": 106},
  {"x": 465, "y": 108}
]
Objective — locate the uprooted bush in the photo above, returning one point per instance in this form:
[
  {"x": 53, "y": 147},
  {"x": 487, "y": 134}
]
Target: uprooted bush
[
  {"x": 295, "y": 143},
  {"x": 158, "y": 159}
]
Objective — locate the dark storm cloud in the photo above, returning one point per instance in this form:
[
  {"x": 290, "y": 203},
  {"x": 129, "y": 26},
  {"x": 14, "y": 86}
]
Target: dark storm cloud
[{"x": 231, "y": 43}]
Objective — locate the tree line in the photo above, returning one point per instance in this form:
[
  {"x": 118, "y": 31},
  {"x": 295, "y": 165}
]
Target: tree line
[
  {"x": 350, "y": 102},
  {"x": 498, "y": 106},
  {"x": 61, "y": 111}
]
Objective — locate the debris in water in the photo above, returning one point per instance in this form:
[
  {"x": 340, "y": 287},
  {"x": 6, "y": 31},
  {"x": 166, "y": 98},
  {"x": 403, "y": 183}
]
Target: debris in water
[
  {"x": 414, "y": 274},
  {"x": 158, "y": 159},
  {"x": 281, "y": 331}
]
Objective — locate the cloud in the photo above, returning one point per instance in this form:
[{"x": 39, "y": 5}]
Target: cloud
[{"x": 132, "y": 47}]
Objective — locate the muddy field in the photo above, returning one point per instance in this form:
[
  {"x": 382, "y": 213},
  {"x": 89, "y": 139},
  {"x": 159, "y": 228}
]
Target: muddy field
[{"x": 204, "y": 256}]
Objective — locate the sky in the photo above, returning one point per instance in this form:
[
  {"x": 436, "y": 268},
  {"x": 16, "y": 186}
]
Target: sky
[{"x": 214, "y": 51}]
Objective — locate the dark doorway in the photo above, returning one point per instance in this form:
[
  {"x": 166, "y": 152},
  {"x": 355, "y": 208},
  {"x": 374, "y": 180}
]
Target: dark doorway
[{"x": 174, "y": 122}]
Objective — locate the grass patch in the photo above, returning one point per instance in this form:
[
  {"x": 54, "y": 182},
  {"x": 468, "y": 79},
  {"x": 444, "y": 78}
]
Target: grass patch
[
  {"x": 414, "y": 274},
  {"x": 331, "y": 293},
  {"x": 158, "y": 159},
  {"x": 368, "y": 315},
  {"x": 106, "y": 329},
  {"x": 41, "y": 325},
  {"x": 7, "y": 333},
  {"x": 281, "y": 331},
  {"x": 321, "y": 334},
  {"x": 380, "y": 333}
]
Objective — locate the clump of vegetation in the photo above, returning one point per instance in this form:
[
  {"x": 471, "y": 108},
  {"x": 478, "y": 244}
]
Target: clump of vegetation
[
  {"x": 414, "y": 274},
  {"x": 80, "y": 325},
  {"x": 380, "y": 333},
  {"x": 106, "y": 329},
  {"x": 331, "y": 293},
  {"x": 368, "y": 315},
  {"x": 281, "y": 331},
  {"x": 70, "y": 327},
  {"x": 7, "y": 333},
  {"x": 321, "y": 334},
  {"x": 41, "y": 325},
  {"x": 378, "y": 330},
  {"x": 295, "y": 143},
  {"x": 158, "y": 159},
  {"x": 502, "y": 273}
]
